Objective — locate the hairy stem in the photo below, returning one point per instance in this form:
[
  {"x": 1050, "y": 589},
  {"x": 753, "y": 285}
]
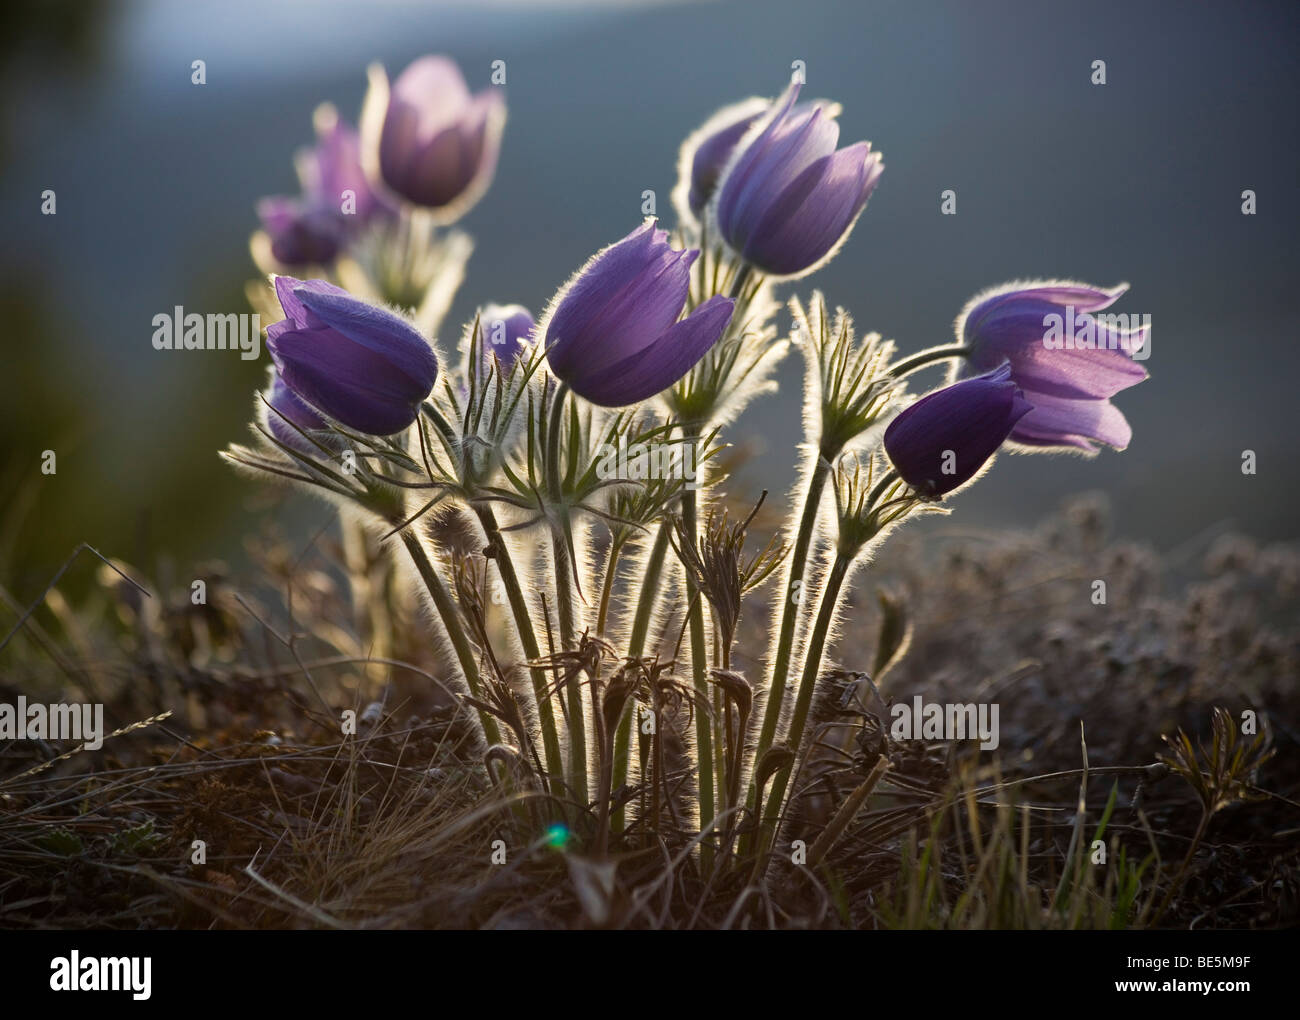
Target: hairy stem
[
  {"x": 928, "y": 357},
  {"x": 789, "y": 613},
  {"x": 807, "y": 683},
  {"x": 699, "y": 669},
  {"x": 564, "y": 598},
  {"x": 646, "y": 596},
  {"x": 527, "y": 640},
  {"x": 442, "y": 601}
]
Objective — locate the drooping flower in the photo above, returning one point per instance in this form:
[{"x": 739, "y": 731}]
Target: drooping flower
[
  {"x": 336, "y": 203},
  {"x": 944, "y": 439},
  {"x": 361, "y": 365},
  {"x": 788, "y": 198},
  {"x": 613, "y": 333},
  {"x": 428, "y": 140},
  {"x": 504, "y": 331},
  {"x": 284, "y": 410},
  {"x": 1068, "y": 360}
]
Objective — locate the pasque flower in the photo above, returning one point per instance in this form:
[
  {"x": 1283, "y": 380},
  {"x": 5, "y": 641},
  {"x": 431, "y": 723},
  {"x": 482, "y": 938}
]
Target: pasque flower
[
  {"x": 788, "y": 198},
  {"x": 504, "y": 331},
  {"x": 428, "y": 140},
  {"x": 336, "y": 202},
  {"x": 1068, "y": 362},
  {"x": 944, "y": 439},
  {"x": 613, "y": 333},
  {"x": 363, "y": 366},
  {"x": 286, "y": 416}
]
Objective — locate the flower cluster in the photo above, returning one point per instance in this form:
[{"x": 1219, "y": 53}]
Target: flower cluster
[{"x": 653, "y": 346}]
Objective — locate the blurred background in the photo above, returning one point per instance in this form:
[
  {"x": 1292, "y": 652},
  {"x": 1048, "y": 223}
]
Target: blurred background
[{"x": 1138, "y": 180}]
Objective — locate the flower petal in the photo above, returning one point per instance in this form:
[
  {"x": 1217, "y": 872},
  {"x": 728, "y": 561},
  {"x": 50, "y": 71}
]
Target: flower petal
[
  {"x": 656, "y": 367},
  {"x": 377, "y": 329}
]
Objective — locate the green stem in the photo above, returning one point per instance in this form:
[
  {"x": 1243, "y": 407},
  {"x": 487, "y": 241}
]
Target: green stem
[
  {"x": 568, "y": 640},
  {"x": 928, "y": 357},
  {"x": 807, "y": 683},
  {"x": 789, "y": 616},
  {"x": 564, "y": 598},
  {"x": 607, "y": 588},
  {"x": 442, "y": 601},
  {"x": 646, "y": 597},
  {"x": 527, "y": 640},
  {"x": 699, "y": 671}
]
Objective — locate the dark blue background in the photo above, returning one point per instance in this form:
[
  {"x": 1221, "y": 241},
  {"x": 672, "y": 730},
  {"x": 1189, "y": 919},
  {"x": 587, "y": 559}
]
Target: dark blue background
[{"x": 1137, "y": 180}]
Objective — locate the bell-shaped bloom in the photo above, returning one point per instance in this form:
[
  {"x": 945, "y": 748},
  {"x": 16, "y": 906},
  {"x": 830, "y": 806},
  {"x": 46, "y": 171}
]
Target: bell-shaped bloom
[
  {"x": 363, "y": 366},
  {"x": 336, "y": 204},
  {"x": 789, "y": 198},
  {"x": 613, "y": 333},
  {"x": 284, "y": 414},
  {"x": 504, "y": 332},
  {"x": 1068, "y": 360},
  {"x": 428, "y": 140},
  {"x": 708, "y": 149},
  {"x": 944, "y": 439}
]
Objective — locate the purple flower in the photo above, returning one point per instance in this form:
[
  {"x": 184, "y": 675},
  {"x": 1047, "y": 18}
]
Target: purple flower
[
  {"x": 428, "y": 139},
  {"x": 336, "y": 202},
  {"x": 789, "y": 198},
  {"x": 303, "y": 232},
  {"x": 362, "y": 366},
  {"x": 707, "y": 150},
  {"x": 1068, "y": 361},
  {"x": 613, "y": 333},
  {"x": 504, "y": 331},
  {"x": 944, "y": 439},
  {"x": 289, "y": 406}
]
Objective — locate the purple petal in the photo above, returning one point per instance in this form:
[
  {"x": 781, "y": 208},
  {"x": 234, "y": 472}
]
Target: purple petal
[
  {"x": 959, "y": 427},
  {"x": 378, "y": 330},
  {"x": 815, "y": 211},
  {"x": 654, "y": 368},
  {"x": 1076, "y": 423},
  {"x": 294, "y": 310},
  {"x": 622, "y": 301},
  {"x": 434, "y": 90},
  {"x": 347, "y": 381}
]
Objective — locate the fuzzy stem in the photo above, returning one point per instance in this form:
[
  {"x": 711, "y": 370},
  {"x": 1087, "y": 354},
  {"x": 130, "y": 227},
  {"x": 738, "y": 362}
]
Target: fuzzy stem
[
  {"x": 649, "y": 590},
  {"x": 527, "y": 639},
  {"x": 564, "y": 599},
  {"x": 442, "y": 601},
  {"x": 607, "y": 588},
  {"x": 928, "y": 357},
  {"x": 699, "y": 669},
  {"x": 789, "y": 614},
  {"x": 811, "y": 668}
]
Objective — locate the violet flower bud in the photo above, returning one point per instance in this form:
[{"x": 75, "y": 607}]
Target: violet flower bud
[
  {"x": 363, "y": 366},
  {"x": 504, "y": 331},
  {"x": 292, "y": 411},
  {"x": 944, "y": 439},
  {"x": 428, "y": 140},
  {"x": 1068, "y": 361},
  {"x": 789, "y": 199},
  {"x": 613, "y": 332}
]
